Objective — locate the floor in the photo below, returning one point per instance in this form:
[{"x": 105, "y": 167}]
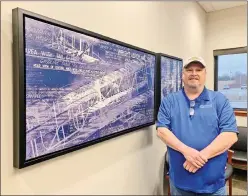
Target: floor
[{"x": 239, "y": 182}]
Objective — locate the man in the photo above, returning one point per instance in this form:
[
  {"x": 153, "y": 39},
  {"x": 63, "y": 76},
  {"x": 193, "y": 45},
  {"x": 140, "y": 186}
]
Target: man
[{"x": 198, "y": 125}]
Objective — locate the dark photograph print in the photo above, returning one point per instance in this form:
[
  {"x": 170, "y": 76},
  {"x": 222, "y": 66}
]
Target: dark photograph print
[
  {"x": 77, "y": 87},
  {"x": 171, "y": 75}
]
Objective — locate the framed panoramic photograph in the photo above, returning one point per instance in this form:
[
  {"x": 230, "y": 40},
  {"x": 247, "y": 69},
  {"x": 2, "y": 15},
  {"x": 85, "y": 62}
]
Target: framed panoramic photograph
[
  {"x": 74, "y": 88},
  {"x": 169, "y": 73}
]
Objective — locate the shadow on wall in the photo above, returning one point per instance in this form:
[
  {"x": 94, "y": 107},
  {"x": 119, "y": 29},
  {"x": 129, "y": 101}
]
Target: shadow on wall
[{"x": 161, "y": 187}]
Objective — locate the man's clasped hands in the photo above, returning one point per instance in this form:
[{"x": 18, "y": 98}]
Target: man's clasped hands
[{"x": 194, "y": 159}]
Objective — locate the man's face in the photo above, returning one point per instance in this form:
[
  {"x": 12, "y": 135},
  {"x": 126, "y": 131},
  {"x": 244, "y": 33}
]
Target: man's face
[{"x": 194, "y": 76}]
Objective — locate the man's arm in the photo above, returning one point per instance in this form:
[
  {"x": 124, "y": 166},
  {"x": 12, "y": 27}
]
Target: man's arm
[
  {"x": 163, "y": 124},
  {"x": 220, "y": 144},
  {"x": 190, "y": 154},
  {"x": 170, "y": 139},
  {"x": 227, "y": 127}
]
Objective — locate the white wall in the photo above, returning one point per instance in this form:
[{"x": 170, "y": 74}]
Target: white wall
[
  {"x": 129, "y": 164},
  {"x": 225, "y": 29}
]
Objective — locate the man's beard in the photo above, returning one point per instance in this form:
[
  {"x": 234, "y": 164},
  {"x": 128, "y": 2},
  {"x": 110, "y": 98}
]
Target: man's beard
[{"x": 194, "y": 86}]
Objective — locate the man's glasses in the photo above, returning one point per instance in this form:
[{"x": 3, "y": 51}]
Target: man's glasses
[{"x": 191, "y": 109}]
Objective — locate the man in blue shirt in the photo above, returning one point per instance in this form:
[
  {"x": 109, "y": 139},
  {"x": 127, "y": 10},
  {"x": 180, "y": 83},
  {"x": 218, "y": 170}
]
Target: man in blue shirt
[{"x": 198, "y": 125}]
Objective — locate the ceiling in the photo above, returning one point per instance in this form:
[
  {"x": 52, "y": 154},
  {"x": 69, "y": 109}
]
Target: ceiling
[{"x": 210, "y": 6}]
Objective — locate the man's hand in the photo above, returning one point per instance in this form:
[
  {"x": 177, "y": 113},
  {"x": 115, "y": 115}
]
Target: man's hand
[
  {"x": 190, "y": 167},
  {"x": 194, "y": 157}
]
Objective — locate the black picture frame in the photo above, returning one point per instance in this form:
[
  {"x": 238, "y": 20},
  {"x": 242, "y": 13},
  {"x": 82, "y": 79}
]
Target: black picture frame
[
  {"x": 159, "y": 76},
  {"x": 19, "y": 79}
]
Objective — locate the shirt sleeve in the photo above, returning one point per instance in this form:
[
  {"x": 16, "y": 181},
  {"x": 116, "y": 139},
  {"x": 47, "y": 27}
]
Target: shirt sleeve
[
  {"x": 164, "y": 114},
  {"x": 227, "y": 119}
]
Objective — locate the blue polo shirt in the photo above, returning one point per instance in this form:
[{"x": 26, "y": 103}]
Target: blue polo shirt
[{"x": 213, "y": 115}]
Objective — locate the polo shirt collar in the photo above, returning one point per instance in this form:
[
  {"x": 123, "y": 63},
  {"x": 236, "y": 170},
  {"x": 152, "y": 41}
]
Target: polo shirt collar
[{"x": 203, "y": 96}]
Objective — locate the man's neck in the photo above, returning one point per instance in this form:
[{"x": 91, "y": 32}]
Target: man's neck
[{"x": 193, "y": 93}]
